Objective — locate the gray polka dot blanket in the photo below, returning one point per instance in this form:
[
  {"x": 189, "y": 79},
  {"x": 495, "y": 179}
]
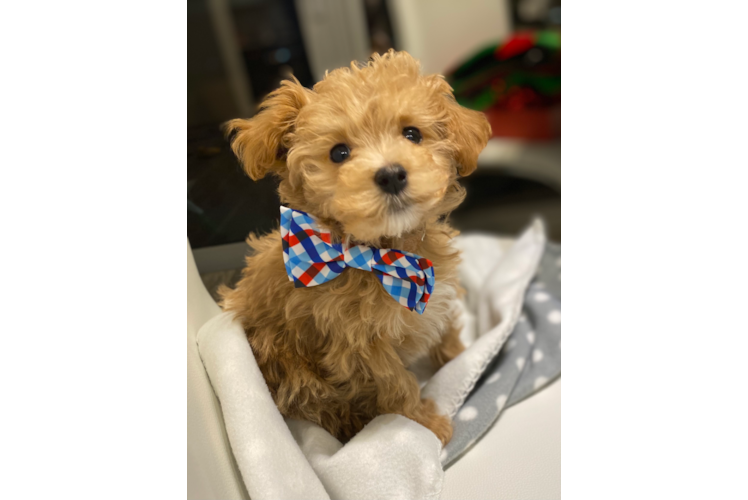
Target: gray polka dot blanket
[
  {"x": 529, "y": 359},
  {"x": 511, "y": 319}
]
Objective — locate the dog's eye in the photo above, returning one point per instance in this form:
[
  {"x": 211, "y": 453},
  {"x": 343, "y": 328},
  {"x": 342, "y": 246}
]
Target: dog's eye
[
  {"x": 412, "y": 134},
  {"x": 339, "y": 153}
]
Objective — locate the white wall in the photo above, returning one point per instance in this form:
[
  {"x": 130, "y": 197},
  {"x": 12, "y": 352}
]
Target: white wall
[{"x": 441, "y": 33}]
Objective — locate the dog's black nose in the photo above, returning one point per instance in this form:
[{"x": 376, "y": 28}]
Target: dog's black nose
[{"x": 391, "y": 179}]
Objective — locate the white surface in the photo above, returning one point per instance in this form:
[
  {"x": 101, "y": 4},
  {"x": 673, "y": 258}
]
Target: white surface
[
  {"x": 614, "y": 438},
  {"x": 518, "y": 459},
  {"x": 535, "y": 160},
  {"x": 578, "y": 166},
  {"x": 654, "y": 438}
]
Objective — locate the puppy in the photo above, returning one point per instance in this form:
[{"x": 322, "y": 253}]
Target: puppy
[{"x": 373, "y": 153}]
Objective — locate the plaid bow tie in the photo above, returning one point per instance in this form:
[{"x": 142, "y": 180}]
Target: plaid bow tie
[{"x": 311, "y": 259}]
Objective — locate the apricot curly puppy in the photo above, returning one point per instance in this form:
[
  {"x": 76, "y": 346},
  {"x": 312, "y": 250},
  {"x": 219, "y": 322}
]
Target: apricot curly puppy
[{"x": 373, "y": 153}]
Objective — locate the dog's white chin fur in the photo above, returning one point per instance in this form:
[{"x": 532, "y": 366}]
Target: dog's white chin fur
[{"x": 394, "y": 224}]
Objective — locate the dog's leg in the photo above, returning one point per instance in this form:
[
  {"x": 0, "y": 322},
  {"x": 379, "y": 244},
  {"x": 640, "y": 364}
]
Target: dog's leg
[
  {"x": 422, "y": 411},
  {"x": 398, "y": 392},
  {"x": 427, "y": 415},
  {"x": 449, "y": 347}
]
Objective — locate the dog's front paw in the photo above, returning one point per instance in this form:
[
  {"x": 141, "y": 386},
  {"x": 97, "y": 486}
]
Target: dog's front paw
[{"x": 440, "y": 425}]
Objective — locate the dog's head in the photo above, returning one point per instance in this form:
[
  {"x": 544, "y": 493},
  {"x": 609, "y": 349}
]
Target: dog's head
[{"x": 376, "y": 149}]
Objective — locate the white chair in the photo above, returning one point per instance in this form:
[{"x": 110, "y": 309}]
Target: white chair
[{"x": 211, "y": 470}]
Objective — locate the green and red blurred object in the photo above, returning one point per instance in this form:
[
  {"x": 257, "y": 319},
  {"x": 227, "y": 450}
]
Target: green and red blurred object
[{"x": 612, "y": 84}]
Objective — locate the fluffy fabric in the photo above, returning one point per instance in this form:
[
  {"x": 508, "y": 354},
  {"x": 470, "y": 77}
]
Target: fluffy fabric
[
  {"x": 392, "y": 457},
  {"x": 498, "y": 308},
  {"x": 260, "y": 440},
  {"x": 337, "y": 354}
]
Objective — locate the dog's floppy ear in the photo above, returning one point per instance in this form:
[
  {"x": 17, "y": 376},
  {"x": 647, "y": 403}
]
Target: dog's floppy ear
[
  {"x": 261, "y": 142},
  {"x": 469, "y": 132}
]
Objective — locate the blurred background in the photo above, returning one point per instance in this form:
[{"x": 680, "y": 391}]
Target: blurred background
[
  {"x": 616, "y": 123},
  {"x": 623, "y": 125}
]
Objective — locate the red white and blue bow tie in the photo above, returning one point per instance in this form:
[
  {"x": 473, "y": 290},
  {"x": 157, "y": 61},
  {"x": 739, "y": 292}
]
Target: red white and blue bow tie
[{"x": 312, "y": 259}]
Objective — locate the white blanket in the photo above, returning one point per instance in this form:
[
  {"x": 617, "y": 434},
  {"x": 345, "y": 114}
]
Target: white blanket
[{"x": 392, "y": 457}]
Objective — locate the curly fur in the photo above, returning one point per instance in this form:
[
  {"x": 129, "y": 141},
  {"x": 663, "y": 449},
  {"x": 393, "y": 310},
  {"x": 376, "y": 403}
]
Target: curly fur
[{"x": 337, "y": 354}]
